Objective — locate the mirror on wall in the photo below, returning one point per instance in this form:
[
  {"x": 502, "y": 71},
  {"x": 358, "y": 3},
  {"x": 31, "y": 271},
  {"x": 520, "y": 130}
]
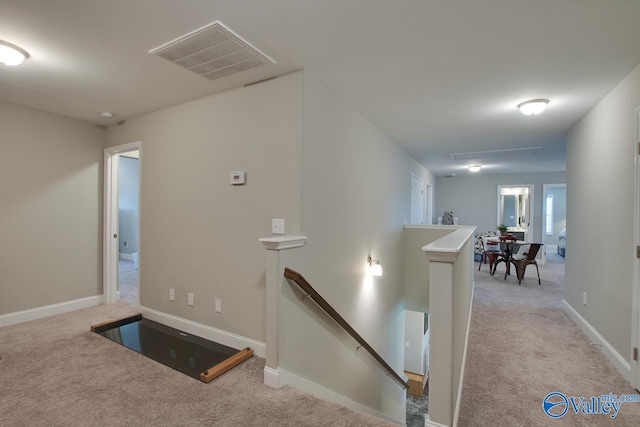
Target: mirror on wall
[{"x": 514, "y": 209}]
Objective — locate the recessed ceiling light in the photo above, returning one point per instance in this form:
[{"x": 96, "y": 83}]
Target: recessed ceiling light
[
  {"x": 107, "y": 115},
  {"x": 11, "y": 54},
  {"x": 533, "y": 106},
  {"x": 475, "y": 168}
]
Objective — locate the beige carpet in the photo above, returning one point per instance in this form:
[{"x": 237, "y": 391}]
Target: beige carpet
[
  {"x": 523, "y": 346},
  {"x": 55, "y": 372}
]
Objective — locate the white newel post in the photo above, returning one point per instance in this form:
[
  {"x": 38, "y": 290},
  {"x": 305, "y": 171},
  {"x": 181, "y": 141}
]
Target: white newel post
[
  {"x": 275, "y": 271},
  {"x": 441, "y": 401}
]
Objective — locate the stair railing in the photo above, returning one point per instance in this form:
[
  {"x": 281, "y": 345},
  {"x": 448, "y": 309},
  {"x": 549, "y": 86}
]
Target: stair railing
[{"x": 299, "y": 280}]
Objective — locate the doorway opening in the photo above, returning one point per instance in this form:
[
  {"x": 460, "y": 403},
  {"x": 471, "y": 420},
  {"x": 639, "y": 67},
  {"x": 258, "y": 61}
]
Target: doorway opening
[
  {"x": 429, "y": 204},
  {"x": 416, "y": 365},
  {"x": 418, "y": 200},
  {"x": 122, "y": 223},
  {"x": 128, "y": 203},
  {"x": 554, "y": 221}
]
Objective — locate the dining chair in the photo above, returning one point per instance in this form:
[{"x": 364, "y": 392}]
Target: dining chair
[
  {"x": 507, "y": 244},
  {"x": 490, "y": 252},
  {"x": 527, "y": 258}
]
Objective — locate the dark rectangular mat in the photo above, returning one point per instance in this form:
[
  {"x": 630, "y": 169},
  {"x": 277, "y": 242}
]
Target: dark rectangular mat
[{"x": 189, "y": 354}]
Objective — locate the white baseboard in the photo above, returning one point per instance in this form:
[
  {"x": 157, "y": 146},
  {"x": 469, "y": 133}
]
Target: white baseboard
[
  {"x": 271, "y": 377},
  {"x": 50, "y": 310},
  {"x": 614, "y": 357},
  {"x": 429, "y": 423},
  {"x": 204, "y": 331},
  {"x": 288, "y": 378},
  {"x": 128, "y": 257}
]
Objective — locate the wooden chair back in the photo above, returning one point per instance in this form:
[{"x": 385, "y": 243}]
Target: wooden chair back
[{"x": 534, "y": 248}]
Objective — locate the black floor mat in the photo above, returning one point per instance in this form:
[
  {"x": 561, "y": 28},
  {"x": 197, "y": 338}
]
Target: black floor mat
[{"x": 183, "y": 352}]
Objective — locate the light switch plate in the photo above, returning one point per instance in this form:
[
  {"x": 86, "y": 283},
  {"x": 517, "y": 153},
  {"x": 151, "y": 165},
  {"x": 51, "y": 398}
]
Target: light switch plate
[
  {"x": 190, "y": 298},
  {"x": 218, "y": 304},
  {"x": 277, "y": 226}
]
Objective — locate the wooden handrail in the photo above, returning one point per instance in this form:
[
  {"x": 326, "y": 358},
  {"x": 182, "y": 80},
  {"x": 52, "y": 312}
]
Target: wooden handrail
[{"x": 310, "y": 291}]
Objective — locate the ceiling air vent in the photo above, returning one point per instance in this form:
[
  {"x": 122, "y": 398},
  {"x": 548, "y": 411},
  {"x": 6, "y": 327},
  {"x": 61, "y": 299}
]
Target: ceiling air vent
[
  {"x": 492, "y": 154},
  {"x": 213, "y": 52}
]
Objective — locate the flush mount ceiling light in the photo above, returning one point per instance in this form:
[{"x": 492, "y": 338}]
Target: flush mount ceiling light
[
  {"x": 11, "y": 54},
  {"x": 107, "y": 115},
  {"x": 533, "y": 106},
  {"x": 475, "y": 168}
]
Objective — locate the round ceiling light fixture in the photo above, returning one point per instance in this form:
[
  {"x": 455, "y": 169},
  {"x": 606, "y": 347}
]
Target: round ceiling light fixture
[
  {"x": 475, "y": 168},
  {"x": 533, "y": 106},
  {"x": 11, "y": 54},
  {"x": 107, "y": 115}
]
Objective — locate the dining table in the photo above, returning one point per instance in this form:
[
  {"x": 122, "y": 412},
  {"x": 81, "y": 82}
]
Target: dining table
[{"x": 507, "y": 245}]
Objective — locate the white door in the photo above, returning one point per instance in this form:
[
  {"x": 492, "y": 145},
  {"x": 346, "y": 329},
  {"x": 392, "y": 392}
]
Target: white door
[{"x": 417, "y": 200}]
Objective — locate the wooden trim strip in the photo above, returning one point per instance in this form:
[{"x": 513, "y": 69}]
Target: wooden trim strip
[
  {"x": 222, "y": 367},
  {"x": 309, "y": 290},
  {"x": 110, "y": 324}
]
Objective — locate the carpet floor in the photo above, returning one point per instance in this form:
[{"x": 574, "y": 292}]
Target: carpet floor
[
  {"x": 55, "y": 372},
  {"x": 417, "y": 408},
  {"x": 523, "y": 346},
  {"x": 127, "y": 281}
]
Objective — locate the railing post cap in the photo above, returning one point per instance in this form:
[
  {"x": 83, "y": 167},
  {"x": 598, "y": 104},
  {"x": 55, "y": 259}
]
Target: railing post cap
[{"x": 278, "y": 243}]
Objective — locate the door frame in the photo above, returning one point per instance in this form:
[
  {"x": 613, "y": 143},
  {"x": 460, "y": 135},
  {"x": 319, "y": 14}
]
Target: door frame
[
  {"x": 110, "y": 237},
  {"x": 531, "y": 205},
  {"x": 635, "y": 310}
]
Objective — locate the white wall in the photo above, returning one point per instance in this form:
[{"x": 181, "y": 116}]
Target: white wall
[
  {"x": 416, "y": 351},
  {"x": 416, "y": 265},
  {"x": 198, "y": 232},
  {"x": 474, "y": 198},
  {"x": 601, "y": 154},
  {"x": 356, "y": 199},
  {"x": 50, "y": 209},
  {"x": 316, "y": 163}
]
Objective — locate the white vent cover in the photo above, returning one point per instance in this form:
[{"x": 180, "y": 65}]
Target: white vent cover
[
  {"x": 213, "y": 51},
  {"x": 511, "y": 152}
]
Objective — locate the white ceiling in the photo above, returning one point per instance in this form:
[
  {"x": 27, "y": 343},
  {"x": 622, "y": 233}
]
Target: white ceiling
[{"x": 437, "y": 76}]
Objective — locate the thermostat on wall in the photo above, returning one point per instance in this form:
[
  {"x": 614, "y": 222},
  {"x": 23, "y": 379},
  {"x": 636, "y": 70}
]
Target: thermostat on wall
[{"x": 238, "y": 177}]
